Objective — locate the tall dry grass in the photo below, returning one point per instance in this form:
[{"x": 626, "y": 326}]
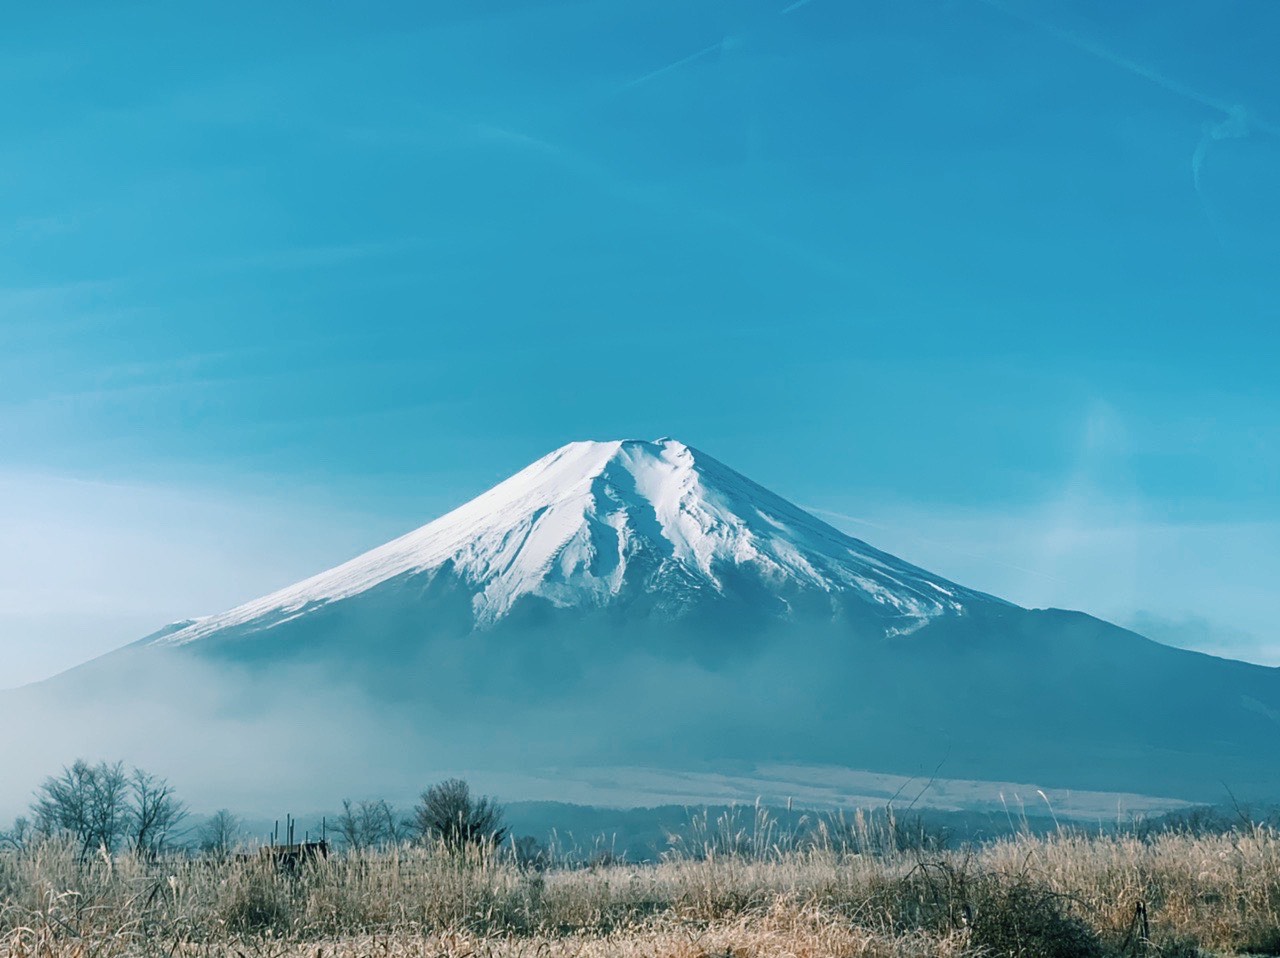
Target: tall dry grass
[{"x": 741, "y": 892}]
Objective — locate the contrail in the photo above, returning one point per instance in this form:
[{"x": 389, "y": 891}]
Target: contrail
[
  {"x": 1237, "y": 122},
  {"x": 1102, "y": 53},
  {"x": 1173, "y": 86},
  {"x": 1236, "y": 114},
  {"x": 713, "y": 48}
]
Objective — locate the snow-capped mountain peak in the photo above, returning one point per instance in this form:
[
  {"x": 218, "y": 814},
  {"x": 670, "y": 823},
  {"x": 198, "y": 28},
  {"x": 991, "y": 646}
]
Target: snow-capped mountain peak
[{"x": 593, "y": 521}]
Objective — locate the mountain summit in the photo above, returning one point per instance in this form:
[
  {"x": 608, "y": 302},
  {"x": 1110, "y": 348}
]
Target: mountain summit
[{"x": 597, "y": 523}]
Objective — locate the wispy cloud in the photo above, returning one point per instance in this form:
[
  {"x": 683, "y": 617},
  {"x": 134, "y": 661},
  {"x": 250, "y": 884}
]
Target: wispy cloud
[{"x": 1234, "y": 126}]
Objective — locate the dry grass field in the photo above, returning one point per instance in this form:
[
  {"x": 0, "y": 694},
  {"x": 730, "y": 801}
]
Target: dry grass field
[{"x": 1173, "y": 893}]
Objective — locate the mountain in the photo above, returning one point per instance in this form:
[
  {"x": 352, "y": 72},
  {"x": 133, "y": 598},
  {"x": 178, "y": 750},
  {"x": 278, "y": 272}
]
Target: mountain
[
  {"x": 640, "y": 604},
  {"x": 621, "y": 524}
]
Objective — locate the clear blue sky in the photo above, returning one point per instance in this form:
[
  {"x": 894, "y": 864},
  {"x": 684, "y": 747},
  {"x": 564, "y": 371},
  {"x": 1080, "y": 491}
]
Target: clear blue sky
[{"x": 996, "y": 281}]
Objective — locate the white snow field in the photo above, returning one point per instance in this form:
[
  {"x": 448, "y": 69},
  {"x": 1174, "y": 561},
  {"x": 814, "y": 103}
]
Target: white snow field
[{"x": 580, "y": 523}]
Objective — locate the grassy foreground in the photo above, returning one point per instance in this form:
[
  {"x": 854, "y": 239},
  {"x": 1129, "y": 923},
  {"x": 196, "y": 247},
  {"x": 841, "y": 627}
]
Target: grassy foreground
[{"x": 1067, "y": 894}]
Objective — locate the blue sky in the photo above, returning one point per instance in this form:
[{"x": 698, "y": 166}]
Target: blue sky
[{"x": 994, "y": 283}]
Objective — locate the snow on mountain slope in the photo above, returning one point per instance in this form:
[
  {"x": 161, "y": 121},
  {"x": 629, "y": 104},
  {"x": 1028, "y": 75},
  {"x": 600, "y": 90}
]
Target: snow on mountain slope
[{"x": 591, "y": 518}]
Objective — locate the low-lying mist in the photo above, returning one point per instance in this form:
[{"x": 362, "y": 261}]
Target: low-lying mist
[
  {"x": 379, "y": 701},
  {"x": 306, "y": 733}
]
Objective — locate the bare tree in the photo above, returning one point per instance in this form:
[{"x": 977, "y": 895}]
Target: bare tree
[
  {"x": 220, "y": 834},
  {"x": 154, "y": 813},
  {"x": 87, "y": 803},
  {"x": 61, "y": 805},
  {"x": 18, "y": 836},
  {"x": 447, "y": 813},
  {"x": 367, "y": 824},
  {"x": 102, "y": 807}
]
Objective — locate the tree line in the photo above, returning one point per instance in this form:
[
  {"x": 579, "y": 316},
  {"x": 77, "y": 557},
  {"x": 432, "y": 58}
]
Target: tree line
[{"x": 105, "y": 808}]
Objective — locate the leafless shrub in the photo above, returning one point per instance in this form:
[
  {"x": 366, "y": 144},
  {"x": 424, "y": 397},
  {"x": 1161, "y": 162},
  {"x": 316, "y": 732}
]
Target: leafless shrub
[{"x": 1026, "y": 919}]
